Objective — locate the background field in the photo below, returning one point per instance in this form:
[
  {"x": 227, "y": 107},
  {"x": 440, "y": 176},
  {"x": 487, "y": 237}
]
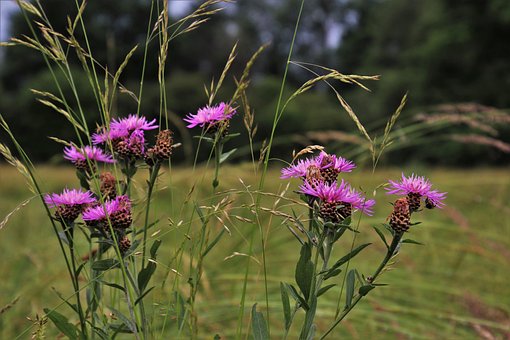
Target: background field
[{"x": 453, "y": 287}]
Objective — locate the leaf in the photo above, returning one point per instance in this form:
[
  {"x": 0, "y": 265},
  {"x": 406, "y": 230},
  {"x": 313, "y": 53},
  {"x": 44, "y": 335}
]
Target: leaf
[
  {"x": 286, "y": 305},
  {"x": 143, "y": 295},
  {"x": 324, "y": 289},
  {"x": 145, "y": 275},
  {"x": 106, "y": 264},
  {"x": 381, "y": 235},
  {"x": 84, "y": 181},
  {"x": 126, "y": 321},
  {"x": 200, "y": 214},
  {"x": 305, "y": 270},
  {"x": 258, "y": 325},
  {"x": 349, "y": 293},
  {"x": 62, "y": 323},
  {"x": 332, "y": 273},
  {"x": 407, "y": 240},
  {"x": 293, "y": 291},
  {"x": 349, "y": 256},
  {"x": 213, "y": 243},
  {"x": 308, "y": 329},
  {"x": 363, "y": 290},
  {"x": 113, "y": 285},
  {"x": 224, "y": 156},
  {"x": 154, "y": 248}
]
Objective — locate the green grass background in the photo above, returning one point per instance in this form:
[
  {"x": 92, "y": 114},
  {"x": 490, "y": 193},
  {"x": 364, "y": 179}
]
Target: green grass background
[{"x": 456, "y": 286}]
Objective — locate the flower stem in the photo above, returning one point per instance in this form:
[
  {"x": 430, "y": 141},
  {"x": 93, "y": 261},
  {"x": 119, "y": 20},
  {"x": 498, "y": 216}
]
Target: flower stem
[{"x": 391, "y": 252}]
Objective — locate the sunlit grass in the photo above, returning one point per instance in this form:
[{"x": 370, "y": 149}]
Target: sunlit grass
[{"x": 454, "y": 286}]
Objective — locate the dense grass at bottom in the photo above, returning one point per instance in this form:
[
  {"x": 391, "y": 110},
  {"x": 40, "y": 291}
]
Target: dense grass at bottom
[{"x": 453, "y": 287}]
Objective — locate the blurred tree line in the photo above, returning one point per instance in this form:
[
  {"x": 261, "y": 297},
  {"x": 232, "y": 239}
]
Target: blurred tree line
[{"x": 439, "y": 51}]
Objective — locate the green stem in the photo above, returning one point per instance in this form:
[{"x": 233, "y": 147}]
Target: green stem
[
  {"x": 218, "y": 149},
  {"x": 68, "y": 229},
  {"x": 152, "y": 180},
  {"x": 391, "y": 252}
]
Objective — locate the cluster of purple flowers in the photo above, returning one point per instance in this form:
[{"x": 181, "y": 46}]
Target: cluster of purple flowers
[
  {"x": 126, "y": 135},
  {"x": 320, "y": 180}
]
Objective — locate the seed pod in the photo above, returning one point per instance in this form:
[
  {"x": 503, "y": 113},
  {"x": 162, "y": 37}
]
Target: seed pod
[{"x": 400, "y": 218}]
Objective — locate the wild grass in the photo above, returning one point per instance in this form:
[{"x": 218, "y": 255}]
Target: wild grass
[{"x": 453, "y": 287}]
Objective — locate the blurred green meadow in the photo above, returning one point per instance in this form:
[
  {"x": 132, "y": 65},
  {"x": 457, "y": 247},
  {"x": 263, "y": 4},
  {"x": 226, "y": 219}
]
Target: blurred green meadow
[{"x": 455, "y": 286}]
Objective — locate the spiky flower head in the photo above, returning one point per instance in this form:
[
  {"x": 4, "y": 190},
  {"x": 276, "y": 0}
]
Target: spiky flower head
[
  {"x": 163, "y": 148},
  {"x": 108, "y": 186},
  {"x": 99, "y": 214},
  {"x": 337, "y": 201},
  {"x": 417, "y": 188},
  {"x": 79, "y": 156},
  {"x": 400, "y": 218},
  {"x": 332, "y": 165},
  {"x": 70, "y": 203},
  {"x": 117, "y": 210},
  {"x": 131, "y": 123},
  {"x": 210, "y": 115},
  {"x": 329, "y": 165}
]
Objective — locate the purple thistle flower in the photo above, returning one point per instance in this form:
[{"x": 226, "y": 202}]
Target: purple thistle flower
[
  {"x": 334, "y": 162},
  {"x": 299, "y": 169},
  {"x": 416, "y": 187},
  {"x": 93, "y": 153},
  {"x": 100, "y": 213},
  {"x": 132, "y": 123},
  {"x": 69, "y": 197},
  {"x": 329, "y": 165},
  {"x": 69, "y": 204},
  {"x": 210, "y": 115},
  {"x": 343, "y": 193}
]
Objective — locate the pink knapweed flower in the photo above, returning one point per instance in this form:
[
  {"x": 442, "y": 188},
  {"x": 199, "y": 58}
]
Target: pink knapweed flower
[
  {"x": 328, "y": 165},
  {"x": 416, "y": 188},
  {"x": 69, "y": 197},
  {"x": 117, "y": 210},
  {"x": 210, "y": 115},
  {"x": 79, "y": 156},
  {"x": 333, "y": 195},
  {"x": 69, "y": 203},
  {"x": 132, "y": 123}
]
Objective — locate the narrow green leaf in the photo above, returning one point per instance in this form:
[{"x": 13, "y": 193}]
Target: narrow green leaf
[
  {"x": 308, "y": 329},
  {"x": 258, "y": 325},
  {"x": 226, "y": 155},
  {"x": 286, "y": 305},
  {"x": 200, "y": 214},
  {"x": 324, "y": 289},
  {"x": 125, "y": 320},
  {"x": 113, "y": 285},
  {"x": 412, "y": 242},
  {"x": 62, "y": 323},
  {"x": 381, "y": 235},
  {"x": 332, "y": 273},
  {"x": 363, "y": 290},
  {"x": 106, "y": 264},
  {"x": 349, "y": 292},
  {"x": 143, "y": 295},
  {"x": 349, "y": 256},
  {"x": 305, "y": 270},
  {"x": 293, "y": 291},
  {"x": 154, "y": 248},
  {"x": 145, "y": 275},
  {"x": 213, "y": 243}
]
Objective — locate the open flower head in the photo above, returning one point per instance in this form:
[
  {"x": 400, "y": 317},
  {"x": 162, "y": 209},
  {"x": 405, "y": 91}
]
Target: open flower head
[
  {"x": 69, "y": 197},
  {"x": 333, "y": 195},
  {"x": 132, "y": 123},
  {"x": 417, "y": 188},
  {"x": 70, "y": 203},
  {"x": 329, "y": 165},
  {"x": 210, "y": 115},
  {"x": 79, "y": 156},
  {"x": 100, "y": 213}
]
